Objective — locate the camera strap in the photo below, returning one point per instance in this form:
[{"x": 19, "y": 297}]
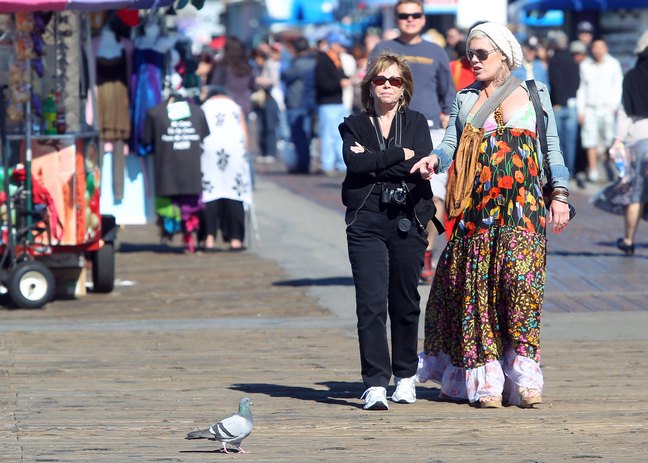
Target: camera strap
[{"x": 398, "y": 131}]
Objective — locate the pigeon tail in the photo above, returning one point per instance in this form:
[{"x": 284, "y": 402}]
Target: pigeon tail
[{"x": 202, "y": 434}]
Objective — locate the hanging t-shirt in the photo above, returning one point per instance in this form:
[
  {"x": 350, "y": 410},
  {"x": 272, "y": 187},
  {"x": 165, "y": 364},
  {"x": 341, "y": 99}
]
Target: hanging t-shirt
[
  {"x": 176, "y": 131},
  {"x": 225, "y": 165}
]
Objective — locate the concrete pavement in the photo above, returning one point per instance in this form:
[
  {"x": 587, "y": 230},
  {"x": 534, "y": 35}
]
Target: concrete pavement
[{"x": 123, "y": 377}]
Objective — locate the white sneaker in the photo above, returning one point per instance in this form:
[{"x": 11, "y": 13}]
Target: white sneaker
[
  {"x": 375, "y": 398},
  {"x": 405, "y": 392},
  {"x": 593, "y": 175}
]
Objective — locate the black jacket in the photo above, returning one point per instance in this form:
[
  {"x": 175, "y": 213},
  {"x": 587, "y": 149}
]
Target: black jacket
[
  {"x": 635, "y": 93},
  {"x": 328, "y": 80},
  {"x": 299, "y": 79},
  {"x": 388, "y": 165},
  {"x": 564, "y": 77}
]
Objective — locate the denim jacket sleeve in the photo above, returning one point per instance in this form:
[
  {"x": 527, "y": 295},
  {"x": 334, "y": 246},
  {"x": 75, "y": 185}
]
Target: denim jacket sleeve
[
  {"x": 464, "y": 100},
  {"x": 554, "y": 156}
]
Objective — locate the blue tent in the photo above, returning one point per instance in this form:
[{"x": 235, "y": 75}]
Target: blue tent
[
  {"x": 306, "y": 12},
  {"x": 581, "y": 5}
]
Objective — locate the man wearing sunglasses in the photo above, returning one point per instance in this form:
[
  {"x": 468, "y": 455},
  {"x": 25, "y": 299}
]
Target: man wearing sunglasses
[{"x": 434, "y": 93}]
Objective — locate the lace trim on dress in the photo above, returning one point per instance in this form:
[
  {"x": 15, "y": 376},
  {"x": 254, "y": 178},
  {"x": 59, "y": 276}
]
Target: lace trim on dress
[{"x": 500, "y": 377}]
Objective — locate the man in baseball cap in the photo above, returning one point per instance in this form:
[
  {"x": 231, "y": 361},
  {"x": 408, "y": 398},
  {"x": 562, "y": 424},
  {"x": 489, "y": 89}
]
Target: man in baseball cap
[{"x": 585, "y": 33}]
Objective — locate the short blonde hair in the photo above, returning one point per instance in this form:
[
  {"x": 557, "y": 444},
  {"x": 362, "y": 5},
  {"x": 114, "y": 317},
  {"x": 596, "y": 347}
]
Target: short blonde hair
[
  {"x": 381, "y": 62},
  {"x": 404, "y": 2}
]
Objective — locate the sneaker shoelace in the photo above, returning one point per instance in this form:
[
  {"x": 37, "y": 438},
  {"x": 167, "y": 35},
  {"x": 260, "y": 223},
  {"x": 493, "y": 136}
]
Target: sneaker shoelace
[{"x": 373, "y": 394}]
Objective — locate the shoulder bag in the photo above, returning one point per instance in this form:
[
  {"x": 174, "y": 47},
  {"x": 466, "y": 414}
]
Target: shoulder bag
[{"x": 547, "y": 187}]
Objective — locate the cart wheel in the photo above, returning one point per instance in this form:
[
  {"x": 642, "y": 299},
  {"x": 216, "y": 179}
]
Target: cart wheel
[
  {"x": 31, "y": 285},
  {"x": 103, "y": 269}
]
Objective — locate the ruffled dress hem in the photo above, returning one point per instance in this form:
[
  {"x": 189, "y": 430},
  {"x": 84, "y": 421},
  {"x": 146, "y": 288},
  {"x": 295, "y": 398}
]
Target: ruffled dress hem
[{"x": 504, "y": 377}]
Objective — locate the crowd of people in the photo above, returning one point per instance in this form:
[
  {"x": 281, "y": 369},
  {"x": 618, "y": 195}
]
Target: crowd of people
[
  {"x": 475, "y": 133},
  {"x": 299, "y": 92}
]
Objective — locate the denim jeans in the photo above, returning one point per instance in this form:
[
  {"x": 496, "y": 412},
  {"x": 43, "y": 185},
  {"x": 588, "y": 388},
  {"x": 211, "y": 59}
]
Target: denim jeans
[
  {"x": 567, "y": 125},
  {"x": 268, "y": 118},
  {"x": 330, "y": 117},
  {"x": 301, "y": 133}
]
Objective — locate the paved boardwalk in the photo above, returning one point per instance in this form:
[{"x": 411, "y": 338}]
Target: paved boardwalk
[{"x": 123, "y": 377}]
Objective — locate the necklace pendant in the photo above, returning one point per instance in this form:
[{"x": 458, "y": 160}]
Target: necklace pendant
[{"x": 499, "y": 118}]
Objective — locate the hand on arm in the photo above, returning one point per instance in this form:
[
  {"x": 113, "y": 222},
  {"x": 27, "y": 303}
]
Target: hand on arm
[
  {"x": 357, "y": 148},
  {"x": 409, "y": 154},
  {"x": 558, "y": 214},
  {"x": 426, "y": 166}
]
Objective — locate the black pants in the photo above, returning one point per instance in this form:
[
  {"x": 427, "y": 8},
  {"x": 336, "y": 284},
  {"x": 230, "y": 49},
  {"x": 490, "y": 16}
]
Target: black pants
[
  {"x": 228, "y": 215},
  {"x": 386, "y": 265}
]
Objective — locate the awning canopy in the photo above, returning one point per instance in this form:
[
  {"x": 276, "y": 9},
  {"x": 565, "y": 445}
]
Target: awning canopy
[
  {"x": 429, "y": 6},
  {"x": 299, "y": 12},
  {"x": 15, "y": 6},
  {"x": 581, "y": 5}
]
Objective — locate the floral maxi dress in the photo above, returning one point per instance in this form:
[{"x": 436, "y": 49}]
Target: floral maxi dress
[{"x": 483, "y": 315}]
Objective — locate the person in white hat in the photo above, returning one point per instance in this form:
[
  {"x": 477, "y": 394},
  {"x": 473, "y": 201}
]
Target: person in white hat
[{"x": 482, "y": 324}]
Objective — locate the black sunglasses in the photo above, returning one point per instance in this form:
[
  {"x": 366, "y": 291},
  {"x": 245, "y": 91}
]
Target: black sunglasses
[
  {"x": 393, "y": 81},
  {"x": 480, "y": 53},
  {"x": 404, "y": 16}
]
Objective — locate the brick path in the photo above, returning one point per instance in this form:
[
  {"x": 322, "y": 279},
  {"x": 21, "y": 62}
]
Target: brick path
[
  {"x": 586, "y": 271},
  {"x": 123, "y": 377}
]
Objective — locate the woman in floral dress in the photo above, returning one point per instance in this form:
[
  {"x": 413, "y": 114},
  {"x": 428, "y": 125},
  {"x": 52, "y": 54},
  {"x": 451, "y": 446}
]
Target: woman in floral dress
[{"x": 482, "y": 327}]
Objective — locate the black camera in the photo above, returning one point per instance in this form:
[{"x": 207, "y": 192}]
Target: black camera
[{"x": 396, "y": 195}]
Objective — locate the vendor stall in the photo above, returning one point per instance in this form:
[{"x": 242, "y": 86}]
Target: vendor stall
[{"x": 51, "y": 153}]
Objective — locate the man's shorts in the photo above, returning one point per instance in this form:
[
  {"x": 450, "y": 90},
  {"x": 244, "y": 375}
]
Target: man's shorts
[
  {"x": 598, "y": 128},
  {"x": 438, "y": 182}
]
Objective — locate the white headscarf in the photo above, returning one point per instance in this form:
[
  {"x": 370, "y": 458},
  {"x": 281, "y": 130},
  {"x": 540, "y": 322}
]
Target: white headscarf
[{"x": 503, "y": 39}]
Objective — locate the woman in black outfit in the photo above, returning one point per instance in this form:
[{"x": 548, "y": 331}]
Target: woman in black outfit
[{"x": 387, "y": 211}]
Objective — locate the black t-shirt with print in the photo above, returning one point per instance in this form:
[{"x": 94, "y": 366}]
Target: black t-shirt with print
[{"x": 176, "y": 132}]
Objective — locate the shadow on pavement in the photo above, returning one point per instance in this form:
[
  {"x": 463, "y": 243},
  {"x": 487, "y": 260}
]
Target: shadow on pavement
[
  {"x": 613, "y": 244},
  {"x": 330, "y": 281},
  {"x": 594, "y": 254},
  {"x": 335, "y": 395},
  {"x": 150, "y": 247}
]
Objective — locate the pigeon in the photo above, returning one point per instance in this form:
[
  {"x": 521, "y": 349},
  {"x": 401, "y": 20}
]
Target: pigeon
[{"x": 231, "y": 430}]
